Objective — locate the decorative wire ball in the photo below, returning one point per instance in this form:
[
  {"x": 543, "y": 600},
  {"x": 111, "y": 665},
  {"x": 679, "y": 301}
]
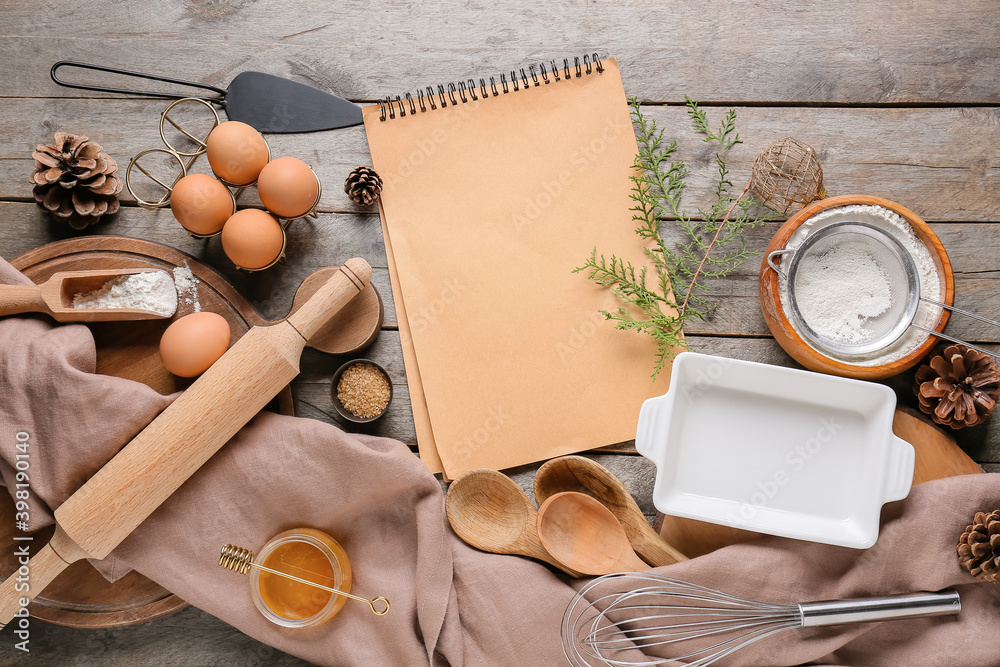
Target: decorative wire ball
[{"x": 787, "y": 175}]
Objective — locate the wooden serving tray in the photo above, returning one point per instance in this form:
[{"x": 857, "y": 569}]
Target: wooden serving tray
[{"x": 81, "y": 596}]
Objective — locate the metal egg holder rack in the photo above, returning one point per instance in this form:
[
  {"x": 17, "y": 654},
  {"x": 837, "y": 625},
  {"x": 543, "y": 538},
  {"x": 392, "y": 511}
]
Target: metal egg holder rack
[{"x": 179, "y": 156}]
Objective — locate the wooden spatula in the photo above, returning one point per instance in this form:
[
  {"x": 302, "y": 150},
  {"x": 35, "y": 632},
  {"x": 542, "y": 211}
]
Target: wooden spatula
[
  {"x": 120, "y": 496},
  {"x": 55, "y": 297}
]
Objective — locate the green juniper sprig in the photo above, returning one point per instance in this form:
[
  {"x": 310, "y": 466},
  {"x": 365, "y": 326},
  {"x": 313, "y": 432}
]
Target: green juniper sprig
[{"x": 713, "y": 244}]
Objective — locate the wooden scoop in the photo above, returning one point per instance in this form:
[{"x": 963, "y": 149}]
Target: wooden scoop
[
  {"x": 490, "y": 512},
  {"x": 105, "y": 510},
  {"x": 582, "y": 533},
  {"x": 577, "y": 473},
  {"x": 55, "y": 297}
]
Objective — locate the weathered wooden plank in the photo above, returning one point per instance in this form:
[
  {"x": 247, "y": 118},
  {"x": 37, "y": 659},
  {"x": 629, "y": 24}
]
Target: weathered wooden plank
[
  {"x": 921, "y": 51},
  {"x": 929, "y": 160},
  {"x": 314, "y": 400},
  {"x": 189, "y": 637},
  {"x": 313, "y": 392},
  {"x": 973, "y": 249},
  {"x": 312, "y": 244},
  {"x": 313, "y": 388},
  {"x": 126, "y": 127},
  {"x": 937, "y": 162}
]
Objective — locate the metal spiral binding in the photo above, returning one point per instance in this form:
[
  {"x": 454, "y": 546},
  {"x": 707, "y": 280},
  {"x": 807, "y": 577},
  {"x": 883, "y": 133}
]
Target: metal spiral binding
[{"x": 466, "y": 91}]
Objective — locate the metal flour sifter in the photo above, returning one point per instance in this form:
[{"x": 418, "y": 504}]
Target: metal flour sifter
[{"x": 899, "y": 270}]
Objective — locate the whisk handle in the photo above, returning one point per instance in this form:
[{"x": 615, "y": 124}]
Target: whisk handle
[{"x": 837, "y": 612}]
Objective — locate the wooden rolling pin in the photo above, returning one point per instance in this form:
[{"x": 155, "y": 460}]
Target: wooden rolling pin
[{"x": 105, "y": 510}]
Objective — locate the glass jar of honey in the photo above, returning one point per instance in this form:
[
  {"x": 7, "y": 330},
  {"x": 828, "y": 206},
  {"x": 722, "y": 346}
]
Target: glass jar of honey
[{"x": 308, "y": 554}]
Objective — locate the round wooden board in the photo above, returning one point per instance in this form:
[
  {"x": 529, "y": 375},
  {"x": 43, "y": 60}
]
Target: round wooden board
[
  {"x": 132, "y": 349},
  {"x": 81, "y": 596}
]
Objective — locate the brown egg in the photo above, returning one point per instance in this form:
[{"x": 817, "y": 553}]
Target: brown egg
[
  {"x": 237, "y": 152},
  {"x": 287, "y": 187},
  {"x": 201, "y": 204},
  {"x": 193, "y": 343},
  {"x": 252, "y": 238}
]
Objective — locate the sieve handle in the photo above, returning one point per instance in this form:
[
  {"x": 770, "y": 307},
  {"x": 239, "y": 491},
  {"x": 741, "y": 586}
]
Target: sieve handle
[
  {"x": 777, "y": 253},
  {"x": 956, "y": 340},
  {"x": 960, "y": 311}
]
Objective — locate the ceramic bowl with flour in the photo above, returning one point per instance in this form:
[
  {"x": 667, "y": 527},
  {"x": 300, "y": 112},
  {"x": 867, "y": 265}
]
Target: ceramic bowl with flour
[{"x": 845, "y": 288}]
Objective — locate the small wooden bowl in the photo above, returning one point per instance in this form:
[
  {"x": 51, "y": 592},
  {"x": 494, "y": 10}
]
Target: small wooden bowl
[
  {"x": 344, "y": 412},
  {"x": 790, "y": 340}
]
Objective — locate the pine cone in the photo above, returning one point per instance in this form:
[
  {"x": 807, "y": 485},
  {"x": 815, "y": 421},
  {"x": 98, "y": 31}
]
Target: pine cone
[
  {"x": 363, "y": 186},
  {"x": 958, "y": 387},
  {"x": 979, "y": 546},
  {"x": 75, "y": 180}
]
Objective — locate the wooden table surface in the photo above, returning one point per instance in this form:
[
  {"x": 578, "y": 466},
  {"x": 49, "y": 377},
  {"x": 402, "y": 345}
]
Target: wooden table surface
[{"x": 900, "y": 100}]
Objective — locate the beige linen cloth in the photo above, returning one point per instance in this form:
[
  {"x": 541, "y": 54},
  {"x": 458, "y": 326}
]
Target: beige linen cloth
[{"x": 451, "y": 605}]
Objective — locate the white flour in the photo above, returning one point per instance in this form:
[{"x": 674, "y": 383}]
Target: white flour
[
  {"x": 828, "y": 291},
  {"x": 151, "y": 290},
  {"x": 838, "y": 291},
  {"x": 187, "y": 287}
]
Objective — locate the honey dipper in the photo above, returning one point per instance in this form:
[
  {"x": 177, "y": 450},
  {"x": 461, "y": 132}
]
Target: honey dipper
[
  {"x": 240, "y": 560},
  {"x": 112, "y": 503}
]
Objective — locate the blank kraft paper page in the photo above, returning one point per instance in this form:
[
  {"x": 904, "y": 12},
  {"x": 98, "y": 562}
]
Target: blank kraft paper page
[{"x": 488, "y": 206}]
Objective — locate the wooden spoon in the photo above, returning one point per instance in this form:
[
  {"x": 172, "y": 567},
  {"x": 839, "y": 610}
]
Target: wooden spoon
[
  {"x": 577, "y": 473},
  {"x": 112, "y": 503},
  {"x": 55, "y": 297},
  {"x": 490, "y": 512},
  {"x": 582, "y": 533}
]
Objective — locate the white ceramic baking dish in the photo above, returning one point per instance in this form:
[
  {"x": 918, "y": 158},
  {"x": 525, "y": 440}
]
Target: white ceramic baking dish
[{"x": 775, "y": 450}]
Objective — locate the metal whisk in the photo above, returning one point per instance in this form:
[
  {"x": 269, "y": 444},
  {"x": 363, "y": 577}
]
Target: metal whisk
[
  {"x": 240, "y": 560},
  {"x": 659, "y": 620}
]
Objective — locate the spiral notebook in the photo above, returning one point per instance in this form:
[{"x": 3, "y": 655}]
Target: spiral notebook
[{"x": 494, "y": 190}]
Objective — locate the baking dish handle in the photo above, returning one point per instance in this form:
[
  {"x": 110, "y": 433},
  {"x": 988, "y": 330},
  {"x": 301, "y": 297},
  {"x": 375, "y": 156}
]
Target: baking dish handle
[
  {"x": 650, "y": 434},
  {"x": 899, "y": 470}
]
